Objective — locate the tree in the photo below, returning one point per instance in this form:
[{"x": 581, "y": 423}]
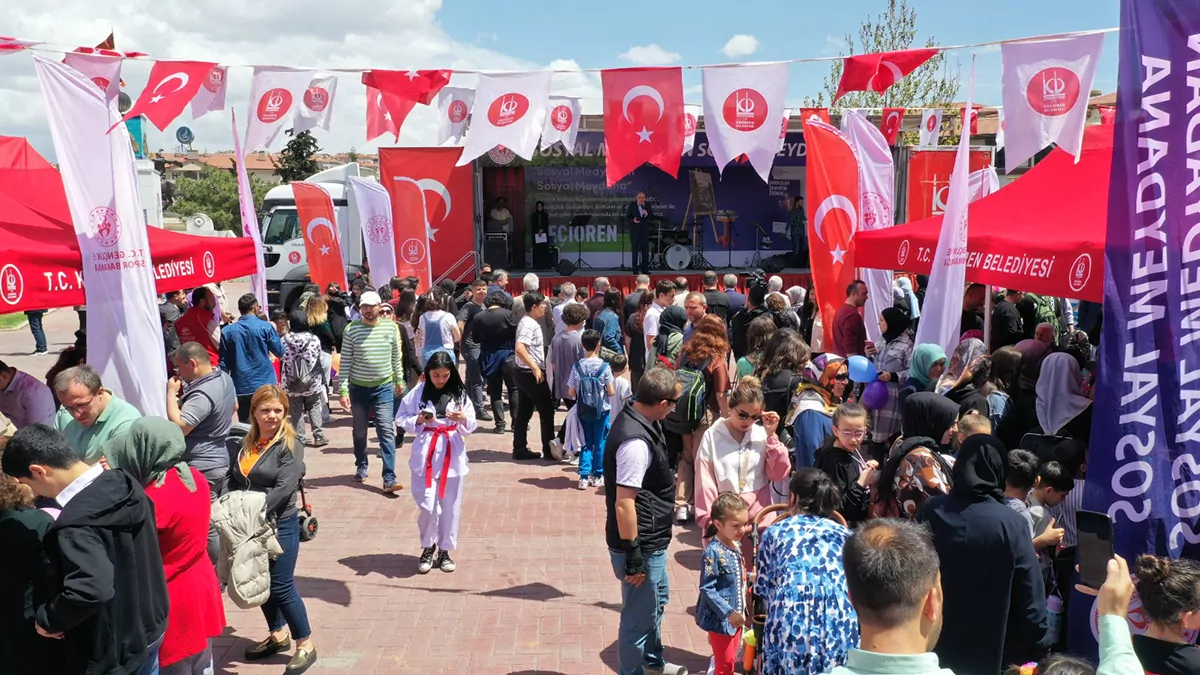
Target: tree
[
  {"x": 296, "y": 161},
  {"x": 352, "y": 156},
  {"x": 894, "y": 29},
  {"x": 215, "y": 194}
]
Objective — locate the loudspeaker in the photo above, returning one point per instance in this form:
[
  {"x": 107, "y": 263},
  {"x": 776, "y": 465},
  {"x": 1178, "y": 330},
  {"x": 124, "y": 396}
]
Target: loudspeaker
[
  {"x": 566, "y": 268},
  {"x": 495, "y": 251}
]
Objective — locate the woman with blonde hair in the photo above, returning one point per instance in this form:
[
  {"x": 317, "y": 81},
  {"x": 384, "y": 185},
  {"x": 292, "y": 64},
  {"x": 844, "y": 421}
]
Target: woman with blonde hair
[{"x": 270, "y": 462}]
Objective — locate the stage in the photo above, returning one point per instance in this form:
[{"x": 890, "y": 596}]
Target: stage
[{"x": 625, "y": 280}]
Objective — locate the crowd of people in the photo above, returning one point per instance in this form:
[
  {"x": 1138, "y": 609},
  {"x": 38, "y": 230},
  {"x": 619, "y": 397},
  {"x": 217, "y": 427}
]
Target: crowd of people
[{"x": 929, "y": 531}]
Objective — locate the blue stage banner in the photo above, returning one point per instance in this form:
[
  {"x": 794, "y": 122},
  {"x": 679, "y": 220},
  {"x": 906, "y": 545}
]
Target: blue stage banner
[{"x": 1144, "y": 463}]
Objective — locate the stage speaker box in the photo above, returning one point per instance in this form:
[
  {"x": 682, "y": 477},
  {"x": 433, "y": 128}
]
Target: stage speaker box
[
  {"x": 566, "y": 268},
  {"x": 495, "y": 250}
]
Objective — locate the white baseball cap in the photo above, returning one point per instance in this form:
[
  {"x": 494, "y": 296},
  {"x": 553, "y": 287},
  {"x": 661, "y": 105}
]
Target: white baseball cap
[{"x": 369, "y": 298}]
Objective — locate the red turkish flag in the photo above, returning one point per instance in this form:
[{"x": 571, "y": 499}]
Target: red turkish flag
[
  {"x": 890, "y": 123},
  {"x": 1108, "y": 114},
  {"x": 832, "y": 199},
  {"x": 877, "y": 72},
  {"x": 644, "y": 119},
  {"x": 403, "y": 89},
  {"x": 974, "y": 125},
  {"x": 379, "y": 120},
  {"x": 171, "y": 86},
  {"x": 318, "y": 226},
  {"x": 808, "y": 113}
]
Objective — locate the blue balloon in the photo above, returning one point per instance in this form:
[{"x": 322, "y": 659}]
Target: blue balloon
[{"x": 862, "y": 370}]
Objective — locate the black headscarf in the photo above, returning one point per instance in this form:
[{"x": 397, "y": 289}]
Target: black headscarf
[
  {"x": 672, "y": 320},
  {"x": 897, "y": 322},
  {"x": 979, "y": 469},
  {"x": 928, "y": 414}
]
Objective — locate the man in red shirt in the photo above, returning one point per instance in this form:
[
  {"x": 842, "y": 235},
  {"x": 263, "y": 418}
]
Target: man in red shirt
[
  {"x": 201, "y": 324},
  {"x": 849, "y": 331}
]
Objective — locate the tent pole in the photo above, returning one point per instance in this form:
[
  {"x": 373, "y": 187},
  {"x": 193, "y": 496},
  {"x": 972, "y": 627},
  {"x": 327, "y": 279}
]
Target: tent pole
[{"x": 987, "y": 317}]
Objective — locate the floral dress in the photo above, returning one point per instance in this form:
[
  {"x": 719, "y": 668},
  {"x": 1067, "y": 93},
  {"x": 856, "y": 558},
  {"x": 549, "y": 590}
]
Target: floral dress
[{"x": 810, "y": 625}]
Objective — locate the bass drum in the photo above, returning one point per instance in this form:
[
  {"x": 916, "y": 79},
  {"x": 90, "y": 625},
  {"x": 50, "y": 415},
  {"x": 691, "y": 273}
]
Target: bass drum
[{"x": 678, "y": 257}]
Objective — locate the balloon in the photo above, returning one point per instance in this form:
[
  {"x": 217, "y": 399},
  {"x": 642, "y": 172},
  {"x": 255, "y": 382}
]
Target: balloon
[
  {"x": 875, "y": 396},
  {"x": 862, "y": 370}
]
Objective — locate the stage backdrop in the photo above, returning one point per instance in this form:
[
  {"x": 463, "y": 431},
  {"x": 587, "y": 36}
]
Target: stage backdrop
[{"x": 574, "y": 186}]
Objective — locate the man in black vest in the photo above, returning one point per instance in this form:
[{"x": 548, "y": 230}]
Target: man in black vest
[{"x": 639, "y": 498}]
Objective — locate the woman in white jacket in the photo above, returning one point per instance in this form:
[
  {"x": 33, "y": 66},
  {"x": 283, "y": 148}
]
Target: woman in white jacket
[{"x": 439, "y": 415}]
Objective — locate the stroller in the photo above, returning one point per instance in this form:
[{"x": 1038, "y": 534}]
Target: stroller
[{"x": 308, "y": 522}]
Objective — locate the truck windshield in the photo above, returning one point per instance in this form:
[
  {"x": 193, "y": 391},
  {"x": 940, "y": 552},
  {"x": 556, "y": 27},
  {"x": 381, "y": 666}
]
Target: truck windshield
[{"x": 283, "y": 227}]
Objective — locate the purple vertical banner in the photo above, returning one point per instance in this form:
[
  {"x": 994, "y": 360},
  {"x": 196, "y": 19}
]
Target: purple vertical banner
[{"x": 1144, "y": 463}]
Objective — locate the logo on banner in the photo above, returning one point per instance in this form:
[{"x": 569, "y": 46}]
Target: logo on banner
[
  {"x": 210, "y": 265},
  {"x": 902, "y": 254},
  {"x": 931, "y": 123},
  {"x": 294, "y": 257},
  {"x": 744, "y": 110},
  {"x": 104, "y": 226},
  {"x": 507, "y": 109},
  {"x": 457, "y": 111},
  {"x": 561, "y": 117},
  {"x": 941, "y": 191},
  {"x": 102, "y": 82},
  {"x": 783, "y": 128},
  {"x": 412, "y": 251},
  {"x": 501, "y": 155},
  {"x": 962, "y": 227},
  {"x": 1081, "y": 272},
  {"x": 379, "y": 229},
  {"x": 877, "y": 212},
  {"x": 273, "y": 105},
  {"x": 12, "y": 284},
  {"x": 1053, "y": 91},
  {"x": 689, "y": 124},
  {"x": 316, "y": 99},
  {"x": 216, "y": 77},
  {"x": 891, "y": 124}
]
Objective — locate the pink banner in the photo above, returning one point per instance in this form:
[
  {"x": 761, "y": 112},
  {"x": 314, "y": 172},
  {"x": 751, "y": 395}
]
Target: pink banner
[
  {"x": 877, "y": 175},
  {"x": 258, "y": 280}
]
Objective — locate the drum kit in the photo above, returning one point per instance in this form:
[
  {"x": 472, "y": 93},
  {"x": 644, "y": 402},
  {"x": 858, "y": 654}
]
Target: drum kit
[{"x": 677, "y": 248}]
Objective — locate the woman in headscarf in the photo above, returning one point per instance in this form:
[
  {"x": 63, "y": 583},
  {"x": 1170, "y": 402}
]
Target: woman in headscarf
[
  {"x": 914, "y": 305},
  {"x": 1062, "y": 409},
  {"x": 926, "y": 366},
  {"x": 669, "y": 341},
  {"x": 917, "y": 470},
  {"x": 813, "y": 405},
  {"x": 797, "y": 295},
  {"x": 899, "y": 299},
  {"x": 995, "y": 602},
  {"x": 958, "y": 370},
  {"x": 892, "y": 361},
  {"x": 539, "y": 225},
  {"x": 152, "y": 453}
]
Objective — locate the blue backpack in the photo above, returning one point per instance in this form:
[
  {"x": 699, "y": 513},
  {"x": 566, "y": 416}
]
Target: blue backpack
[{"x": 589, "y": 395}]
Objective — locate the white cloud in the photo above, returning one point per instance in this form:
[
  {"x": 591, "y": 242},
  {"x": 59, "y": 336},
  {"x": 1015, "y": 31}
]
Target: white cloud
[
  {"x": 650, "y": 55},
  {"x": 361, "y": 34},
  {"x": 740, "y": 45},
  {"x": 834, "y": 45}
]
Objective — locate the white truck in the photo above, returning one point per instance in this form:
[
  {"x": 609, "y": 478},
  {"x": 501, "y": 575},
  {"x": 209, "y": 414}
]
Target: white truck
[{"x": 283, "y": 243}]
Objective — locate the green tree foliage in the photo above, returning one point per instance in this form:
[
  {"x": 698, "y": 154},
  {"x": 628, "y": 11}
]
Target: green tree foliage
[
  {"x": 894, "y": 29},
  {"x": 352, "y": 156},
  {"x": 296, "y": 161},
  {"x": 215, "y": 194}
]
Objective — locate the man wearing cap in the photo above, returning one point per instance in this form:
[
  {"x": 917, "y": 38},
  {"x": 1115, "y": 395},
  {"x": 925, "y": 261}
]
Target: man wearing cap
[{"x": 372, "y": 376}]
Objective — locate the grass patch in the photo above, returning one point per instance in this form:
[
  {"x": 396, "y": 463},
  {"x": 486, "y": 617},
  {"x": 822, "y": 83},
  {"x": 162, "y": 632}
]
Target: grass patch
[{"x": 9, "y": 321}]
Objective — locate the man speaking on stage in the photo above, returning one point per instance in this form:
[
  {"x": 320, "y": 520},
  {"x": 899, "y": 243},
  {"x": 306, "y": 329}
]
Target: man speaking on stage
[{"x": 639, "y": 233}]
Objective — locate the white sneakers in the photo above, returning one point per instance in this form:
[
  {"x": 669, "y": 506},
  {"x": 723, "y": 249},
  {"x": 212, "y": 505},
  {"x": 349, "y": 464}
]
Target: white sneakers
[{"x": 681, "y": 514}]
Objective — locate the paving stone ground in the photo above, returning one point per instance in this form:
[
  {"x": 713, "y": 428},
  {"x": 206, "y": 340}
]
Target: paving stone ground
[{"x": 534, "y": 591}]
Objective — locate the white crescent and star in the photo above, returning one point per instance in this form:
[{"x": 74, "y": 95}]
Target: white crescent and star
[
  {"x": 895, "y": 70},
  {"x": 387, "y": 116},
  {"x": 893, "y": 116},
  {"x": 318, "y": 222},
  {"x": 429, "y": 185},
  {"x": 831, "y": 203},
  {"x": 642, "y": 90},
  {"x": 183, "y": 82}
]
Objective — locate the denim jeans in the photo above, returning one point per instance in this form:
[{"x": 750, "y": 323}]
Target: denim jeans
[
  {"x": 639, "y": 637},
  {"x": 591, "y": 458},
  {"x": 35, "y": 327},
  {"x": 364, "y": 401},
  {"x": 285, "y": 606},
  {"x": 150, "y": 667},
  {"x": 218, "y": 485}
]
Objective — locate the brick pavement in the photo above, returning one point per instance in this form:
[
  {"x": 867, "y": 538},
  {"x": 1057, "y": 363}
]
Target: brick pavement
[{"x": 534, "y": 591}]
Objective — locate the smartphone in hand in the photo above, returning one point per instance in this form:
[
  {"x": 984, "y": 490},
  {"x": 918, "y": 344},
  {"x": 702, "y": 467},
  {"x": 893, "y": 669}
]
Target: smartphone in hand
[{"x": 1095, "y": 534}]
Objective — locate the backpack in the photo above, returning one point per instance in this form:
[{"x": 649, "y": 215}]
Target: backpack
[
  {"x": 693, "y": 396},
  {"x": 589, "y": 395},
  {"x": 300, "y": 371},
  {"x": 667, "y": 359},
  {"x": 1047, "y": 312}
]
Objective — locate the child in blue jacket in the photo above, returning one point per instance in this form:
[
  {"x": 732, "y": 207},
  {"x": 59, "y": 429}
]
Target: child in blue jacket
[{"x": 721, "y": 609}]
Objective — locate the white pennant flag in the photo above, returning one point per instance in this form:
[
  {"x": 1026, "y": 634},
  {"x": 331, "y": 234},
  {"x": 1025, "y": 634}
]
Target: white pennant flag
[
  {"x": 562, "y": 123},
  {"x": 103, "y": 71},
  {"x": 210, "y": 97},
  {"x": 316, "y": 106},
  {"x": 787, "y": 117},
  {"x": 258, "y": 280},
  {"x": 509, "y": 110},
  {"x": 931, "y": 126},
  {"x": 983, "y": 183},
  {"x": 877, "y": 178},
  {"x": 742, "y": 108},
  {"x": 374, "y": 208},
  {"x": 941, "y": 316},
  {"x": 454, "y": 105},
  {"x": 274, "y": 95},
  {"x": 1046, "y": 86},
  {"x": 691, "y": 122},
  {"x": 125, "y": 339},
  {"x": 999, "y": 129}
]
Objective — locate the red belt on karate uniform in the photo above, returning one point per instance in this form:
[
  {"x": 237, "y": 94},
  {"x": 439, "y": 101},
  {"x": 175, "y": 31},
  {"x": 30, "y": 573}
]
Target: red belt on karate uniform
[{"x": 438, "y": 432}]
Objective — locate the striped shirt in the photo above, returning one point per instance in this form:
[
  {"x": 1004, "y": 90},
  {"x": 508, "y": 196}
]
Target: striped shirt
[{"x": 371, "y": 355}]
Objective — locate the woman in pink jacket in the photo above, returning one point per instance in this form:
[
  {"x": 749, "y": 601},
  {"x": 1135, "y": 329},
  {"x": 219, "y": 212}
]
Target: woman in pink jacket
[{"x": 738, "y": 455}]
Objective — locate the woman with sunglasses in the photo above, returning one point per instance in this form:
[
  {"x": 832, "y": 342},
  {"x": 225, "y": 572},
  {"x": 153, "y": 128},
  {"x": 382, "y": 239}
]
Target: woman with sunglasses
[
  {"x": 843, "y": 458},
  {"x": 816, "y": 398},
  {"x": 739, "y": 455}
]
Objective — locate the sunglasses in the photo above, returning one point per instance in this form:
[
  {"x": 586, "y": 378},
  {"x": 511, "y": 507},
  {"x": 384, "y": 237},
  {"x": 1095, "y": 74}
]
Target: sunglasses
[
  {"x": 841, "y": 377},
  {"x": 746, "y": 416},
  {"x": 387, "y": 312}
]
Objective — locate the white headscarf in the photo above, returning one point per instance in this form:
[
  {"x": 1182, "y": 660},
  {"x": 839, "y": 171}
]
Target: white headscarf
[
  {"x": 914, "y": 307},
  {"x": 1059, "y": 392},
  {"x": 796, "y": 294}
]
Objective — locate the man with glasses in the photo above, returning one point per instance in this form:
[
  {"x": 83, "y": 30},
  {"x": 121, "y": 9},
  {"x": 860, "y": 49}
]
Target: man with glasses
[
  {"x": 90, "y": 414},
  {"x": 639, "y": 498}
]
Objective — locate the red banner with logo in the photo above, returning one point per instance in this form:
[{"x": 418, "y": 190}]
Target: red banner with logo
[
  {"x": 449, "y": 193},
  {"x": 929, "y": 180},
  {"x": 318, "y": 225}
]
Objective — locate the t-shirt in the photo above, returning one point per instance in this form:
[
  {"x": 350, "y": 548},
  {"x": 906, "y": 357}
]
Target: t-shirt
[
  {"x": 1159, "y": 657},
  {"x": 207, "y": 407},
  {"x": 199, "y": 325},
  {"x": 1041, "y": 519},
  {"x": 529, "y": 333},
  {"x": 622, "y": 390},
  {"x": 633, "y": 460},
  {"x": 849, "y": 332},
  {"x": 559, "y": 326},
  {"x": 437, "y": 330},
  {"x": 565, "y": 351},
  {"x": 494, "y": 327},
  {"x": 650, "y": 324},
  {"x": 467, "y": 314},
  {"x": 87, "y": 442},
  {"x": 1022, "y": 509},
  {"x": 593, "y": 366}
]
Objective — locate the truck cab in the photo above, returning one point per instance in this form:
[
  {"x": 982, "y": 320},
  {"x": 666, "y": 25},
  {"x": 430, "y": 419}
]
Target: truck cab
[{"x": 283, "y": 242}]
